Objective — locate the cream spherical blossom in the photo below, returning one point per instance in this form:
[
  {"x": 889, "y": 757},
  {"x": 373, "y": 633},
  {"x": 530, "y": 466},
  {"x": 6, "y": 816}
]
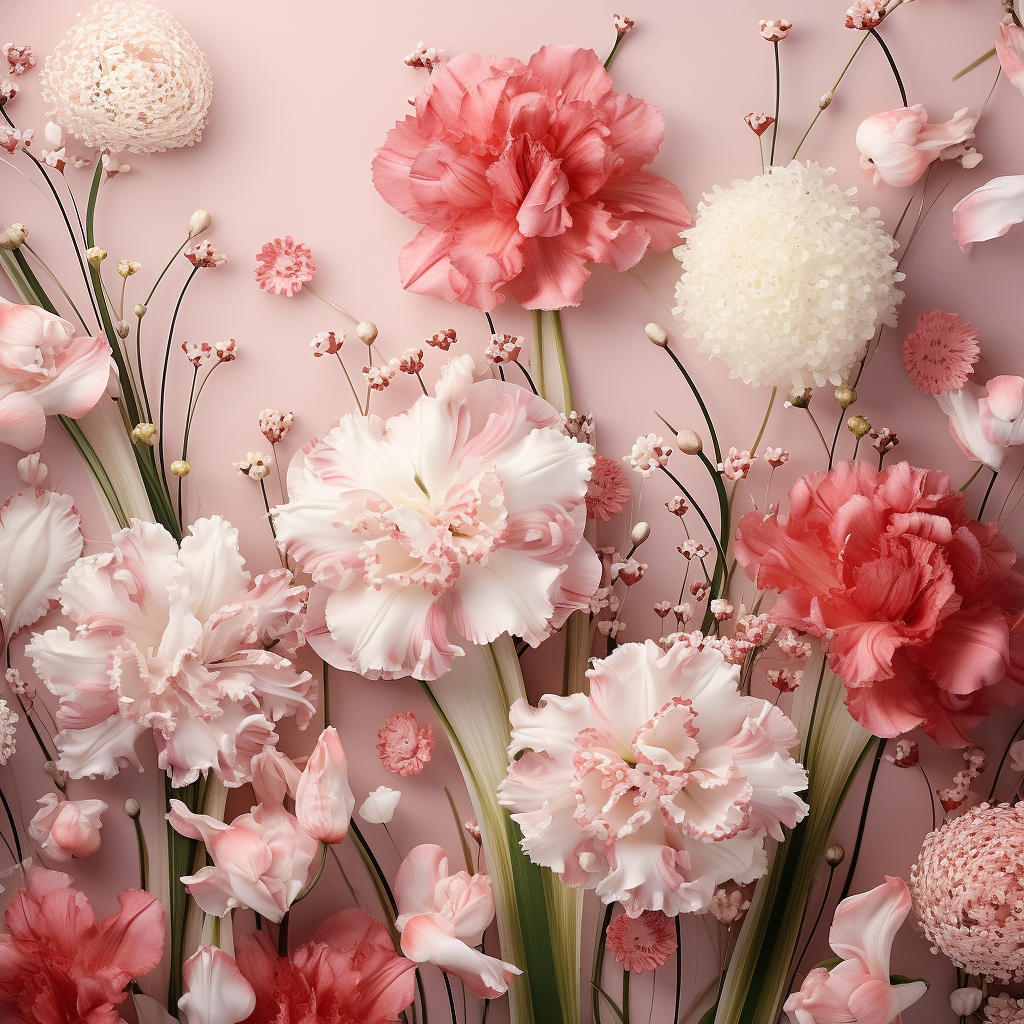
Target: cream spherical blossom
[
  {"x": 785, "y": 279},
  {"x": 129, "y": 77},
  {"x": 969, "y": 891},
  {"x": 658, "y": 787}
]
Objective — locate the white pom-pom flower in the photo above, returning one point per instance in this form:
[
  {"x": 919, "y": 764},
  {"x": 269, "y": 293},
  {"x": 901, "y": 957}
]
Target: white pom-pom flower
[
  {"x": 660, "y": 785},
  {"x": 785, "y": 279},
  {"x": 129, "y": 77}
]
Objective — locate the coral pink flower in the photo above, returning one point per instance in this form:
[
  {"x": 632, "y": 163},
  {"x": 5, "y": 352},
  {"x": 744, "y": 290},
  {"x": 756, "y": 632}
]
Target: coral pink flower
[
  {"x": 57, "y": 965},
  {"x": 443, "y": 917},
  {"x": 260, "y": 860},
  {"x": 608, "y": 490},
  {"x": 921, "y": 605},
  {"x": 521, "y": 174},
  {"x": 940, "y": 352},
  {"x": 467, "y": 508},
  {"x": 659, "y": 786},
  {"x": 641, "y": 943},
  {"x": 215, "y": 991},
  {"x": 858, "y": 988},
  {"x": 323, "y": 797},
  {"x": 283, "y": 266},
  {"x": 45, "y": 371},
  {"x": 898, "y": 145},
  {"x": 67, "y": 828},
  {"x": 989, "y": 211},
  {"x": 1010, "y": 48},
  {"x": 404, "y": 747},
  {"x": 348, "y": 971}
]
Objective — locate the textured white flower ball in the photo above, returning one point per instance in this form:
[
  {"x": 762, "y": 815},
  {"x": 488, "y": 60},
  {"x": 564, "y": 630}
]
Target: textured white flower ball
[
  {"x": 785, "y": 279},
  {"x": 129, "y": 77}
]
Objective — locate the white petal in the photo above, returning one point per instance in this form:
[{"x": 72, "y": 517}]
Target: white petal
[
  {"x": 989, "y": 211},
  {"x": 216, "y": 569},
  {"x": 216, "y": 992},
  {"x": 379, "y": 807}
]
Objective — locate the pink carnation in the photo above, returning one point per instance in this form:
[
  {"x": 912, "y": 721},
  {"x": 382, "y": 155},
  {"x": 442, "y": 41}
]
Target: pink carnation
[
  {"x": 641, "y": 943},
  {"x": 522, "y": 173},
  {"x": 403, "y": 746},
  {"x": 608, "y": 491},
  {"x": 283, "y": 266},
  {"x": 921, "y": 604},
  {"x": 940, "y": 352}
]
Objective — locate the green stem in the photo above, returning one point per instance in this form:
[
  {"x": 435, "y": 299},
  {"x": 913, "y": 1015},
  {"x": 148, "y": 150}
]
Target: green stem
[
  {"x": 619, "y": 36},
  {"x": 563, "y": 364},
  {"x": 597, "y": 975},
  {"x": 975, "y": 64},
  {"x": 778, "y": 98},
  {"x": 892, "y": 64},
  {"x": 700, "y": 401},
  {"x": 973, "y": 477},
  {"x": 163, "y": 372},
  {"x": 625, "y": 982},
  {"x": 537, "y": 359},
  {"x": 181, "y": 853},
  {"x": 700, "y": 512},
  {"x": 96, "y": 467}
]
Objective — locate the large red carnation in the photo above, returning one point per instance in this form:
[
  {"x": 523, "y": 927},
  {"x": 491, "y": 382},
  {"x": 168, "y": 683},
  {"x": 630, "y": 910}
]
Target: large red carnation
[
  {"x": 918, "y": 605},
  {"x": 520, "y": 174}
]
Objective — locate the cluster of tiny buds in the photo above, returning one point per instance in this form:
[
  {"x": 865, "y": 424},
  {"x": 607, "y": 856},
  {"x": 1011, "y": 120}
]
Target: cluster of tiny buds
[
  {"x": 629, "y": 571},
  {"x": 722, "y": 609},
  {"x": 145, "y": 433},
  {"x": 866, "y": 14},
  {"x": 112, "y": 167},
  {"x": 203, "y": 254},
  {"x": 775, "y": 29},
  {"x": 19, "y": 58},
  {"x": 793, "y": 647},
  {"x": 327, "y": 343},
  {"x": 255, "y": 465},
  {"x": 219, "y": 352},
  {"x": 783, "y": 679},
  {"x": 699, "y": 589},
  {"x": 799, "y": 399},
  {"x": 411, "y": 361},
  {"x": 858, "y": 426},
  {"x": 776, "y": 457},
  {"x": 907, "y": 753},
  {"x": 424, "y": 56},
  {"x": 473, "y": 831},
  {"x": 503, "y": 348},
  {"x": 649, "y": 453},
  {"x": 13, "y": 237},
  {"x": 611, "y": 628},
  {"x": 443, "y": 339},
  {"x": 13, "y": 139},
  {"x": 274, "y": 424},
  {"x": 128, "y": 267},
  {"x": 692, "y": 549},
  {"x": 95, "y": 254},
  {"x": 736, "y": 465},
  {"x": 885, "y": 440},
  {"x": 677, "y": 506},
  {"x": 623, "y": 24},
  {"x": 956, "y": 795},
  {"x": 759, "y": 123},
  {"x": 8, "y": 90},
  {"x": 379, "y": 377},
  {"x": 579, "y": 425}
]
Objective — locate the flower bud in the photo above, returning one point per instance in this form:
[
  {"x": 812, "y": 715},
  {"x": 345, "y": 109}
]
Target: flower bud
[
  {"x": 657, "y": 334},
  {"x": 132, "y": 807},
  {"x": 845, "y": 396},
  {"x": 379, "y": 807},
  {"x": 826, "y": 100},
  {"x": 689, "y": 442},
  {"x": 67, "y": 828},
  {"x": 128, "y": 267},
  {"x": 366, "y": 332},
  {"x": 96, "y": 255},
  {"x": 858, "y": 426},
  {"x": 140, "y": 310},
  {"x": 121, "y": 329},
  {"x": 145, "y": 433},
  {"x": 323, "y": 798},
  {"x": 53, "y": 133},
  {"x": 835, "y": 855},
  {"x": 14, "y": 237},
  {"x": 639, "y": 533},
  {"x": 964, "y": 1001},
  {"x": 215, "y": 990},
  {"x": 199, "y": 222},
  {"x": 800, "y": 399},
  {"x": 180, "y": 468}
]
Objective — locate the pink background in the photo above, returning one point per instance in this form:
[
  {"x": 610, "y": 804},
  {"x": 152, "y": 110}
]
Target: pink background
[{"x": 304, "y": 93}]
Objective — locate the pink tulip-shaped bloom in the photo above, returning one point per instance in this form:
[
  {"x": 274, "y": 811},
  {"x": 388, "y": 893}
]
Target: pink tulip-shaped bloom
[
  {"x": 660, "y": 785},
  {"x": 1010, "y": 49},
  {"x": 521, "y": 174},
  {"x": 323, "y": 798},
  {"x": 963, "y": 408},
  {"x": 179, "y": 641},
  {"x": 1001, "y": 411},
  {"x": 858, "y": 989},
  {"x": 348, "y": 972},
  {"x": 921, "y": 604},
  {"x": 469, "y": 508},
  {"x": 67, "y": 828},
  {"x": 215, "y": 991},
  {"x": 45, "y": 371},
  {"x": 260, "y": 860},
  {"x": 898, "y": 145},
  {"x": 442, "y": 917},
  {"x": 58, "y": 966}
]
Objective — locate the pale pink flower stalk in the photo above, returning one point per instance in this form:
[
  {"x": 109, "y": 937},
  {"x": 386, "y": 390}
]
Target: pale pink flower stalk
[
  {"x": 67, "y": 828},
  {"x": 323, "y": 798}
]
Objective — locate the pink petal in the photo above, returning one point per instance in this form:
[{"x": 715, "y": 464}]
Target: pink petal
[
  {"x": 874, "y": 1002},
  {"x": 324, "y": 799},
  {"x": 81, "y": 380},
  {"x": 652, "y": 203},
  {"x": 215, "y": 991},
  {"x": 572, "y": 72},
  {"x": 22, "y": 421},
  {"x": 636, "y": 133},
  {"x": 552, "y": 275},
  {"x": 1010, "y": 48},
  {"x": 865, "y": 925},
  {"x": 989, "y": 211},
  {"x": 426, "y": 268},
  {"x": 392, "y": 165},
  {"x": 417, "y": 881}
]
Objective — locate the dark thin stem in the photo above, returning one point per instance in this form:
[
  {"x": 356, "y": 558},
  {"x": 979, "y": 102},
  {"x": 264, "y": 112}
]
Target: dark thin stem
[
  {"x": 451, "y": 998},
  {"x": 266, "y": 505},
  {"x": 700, "y": 402},
  {"x": 529, "y": 379},
  {"x": 597, "y": 976},
  {"x": 679, "y": 967},
  {"x": 422, "y": 385},
  {"x": 14, "y": 827},
  {"x": 625, "y": 997},
  {"x": 501, "y": 372},
  {"x": 619, "y": 36},
  {"x": 778, "y": 97},
  {"x": 282, "y": 935},
  {"x": 821, "y": 910},
  {"x": 156, "y": 283},
  {"x": 984, "y": 501},
  {"x": 490, "y": 323},
  {"x": 931, "y": 794},
  {"x": 700, "y": 511},
  {"x": 140, "y": 841},
  {"x": 1006, "y": 754},
  {"x": 863, "y": 820},
  {"x": 163, "y": 372},
  {"x": 188, "y": 423},
  {"x": 892, "y": 64}
]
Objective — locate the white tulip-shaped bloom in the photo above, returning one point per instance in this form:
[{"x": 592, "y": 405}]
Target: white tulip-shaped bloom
[
  {"x": 215, "y": 991},
  {"x": 469, "y": 507},
  {"x": 659, "y": 786},
  {"x": 178, "y": 641}
]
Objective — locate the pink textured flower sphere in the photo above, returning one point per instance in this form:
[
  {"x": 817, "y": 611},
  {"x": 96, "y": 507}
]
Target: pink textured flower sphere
[
  {"x": 608, "y": 490},
  {"x": 660, "y": 785},
  {"x": 940, "y": 352},
  {"x": 641, "y": 943},
  {"x": 919, "y": 602},
  {"x": 283, "y": 266},
  {"x": 522, "y": 173},
  {"x": 969, "y": 892},
  {"x": 403, "y": 746}
]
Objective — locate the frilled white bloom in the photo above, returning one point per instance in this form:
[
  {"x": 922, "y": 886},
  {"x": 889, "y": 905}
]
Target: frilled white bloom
[
  {"x": 658, "y": 787},
  {"x": 128, "y": 76},
  {"x": 785, "y": 279},
  {"x": 469, "y": 507},
  {"x": 179, "y": 641}
]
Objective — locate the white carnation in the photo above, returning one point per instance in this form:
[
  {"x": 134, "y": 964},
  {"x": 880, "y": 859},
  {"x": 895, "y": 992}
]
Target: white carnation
[{"x": 785, "y": 279}]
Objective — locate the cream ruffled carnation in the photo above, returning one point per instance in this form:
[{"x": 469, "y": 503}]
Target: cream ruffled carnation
[
  {"x": 128, "y": 76},
  {"x": 785, "y": 279}
]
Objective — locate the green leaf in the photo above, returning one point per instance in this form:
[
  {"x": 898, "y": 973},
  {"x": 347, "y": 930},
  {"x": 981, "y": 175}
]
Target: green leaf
[
  {"x": 709, "y": 1016},
  {"x": 902, "y": 979},
  {"x": 832, "y": 961},
  {"x": 611, "y": 1002}
]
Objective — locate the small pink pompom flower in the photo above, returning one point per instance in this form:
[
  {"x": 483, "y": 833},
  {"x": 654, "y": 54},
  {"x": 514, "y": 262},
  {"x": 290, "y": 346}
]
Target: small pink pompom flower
[
  {"x": 283, "y": 266},
  {"x": 20, "y": 58},
  {"x": 940, "y": 352},
  {"x": 403, "y": 746},
  {"x": 608, "y": 490},
  {"x": 641, "y": 943},
  {"x": 775, "y": 29}
]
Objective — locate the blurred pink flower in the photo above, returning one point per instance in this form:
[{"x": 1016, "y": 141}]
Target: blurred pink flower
[
  {"x": 57, "y": 965},
  {"x": 45, "y": 371},
  {"x": 624, "y": 792},
  {"x": 442, "y": 917},
  {"x": 608, "y": 490},
  {"x": 215, "y": 991},
  {"x": 203, "y": 254},
  {"x": 1010, "y": 48},
  {"x": 940, "y": 352},
  {"x": 179, "y": 641},
  {"x": 990, "y": 211},
  {"x": 859, "y": 988},
  {"x": 921, "y": 605},
  {"x": 283, "y": 266},
  {"x": 641, "y": 943},
  {"x": 67, "y": 828},
  {"x": 866, "y": 14},
  {"x": 323, "y": 797},
  {"x": 467, "y": 509},
  {"x": 963, "y": 408},
  {"x": 898, "y": 145},
  {"x": 19, "y": 58},
  {"x": 404, "y": 747},
  {"x": 1001, "y": 411},
  {"x": 523, "y": 173},
  {"x": 348, "y": 971},
  {"x": 260, "y": 860}
]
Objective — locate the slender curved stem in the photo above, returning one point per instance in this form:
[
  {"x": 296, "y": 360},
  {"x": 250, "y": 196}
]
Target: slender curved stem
[
  {"x": 679, "y": 968},
  {"x": 563, "y": 363},
  {"x": 537, "y": 356},
  {"x": 863, "y": 820},
  {"x": 625, "y": 997},
  {"x": 778, "y": 98},
  {"x": 597, "y": 975},
  {"x": 1006, "y": 753},
  {"x": 56, "y": 281},
  {"x": 700, "y": 512},
  {"x": 163, "y": 372},
  {"x": 700, "y": 401},
  {"x": 988, "y": 493},
  {"x": 156, "y": 283},
  {"x": 821, "y": 910},
  {"x": 529, "y": 379},
  {"x": 892, "y": 64}
]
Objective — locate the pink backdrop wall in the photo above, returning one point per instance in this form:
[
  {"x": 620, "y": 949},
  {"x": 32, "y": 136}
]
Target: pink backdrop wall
[{"x": 304, "y": 93}]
